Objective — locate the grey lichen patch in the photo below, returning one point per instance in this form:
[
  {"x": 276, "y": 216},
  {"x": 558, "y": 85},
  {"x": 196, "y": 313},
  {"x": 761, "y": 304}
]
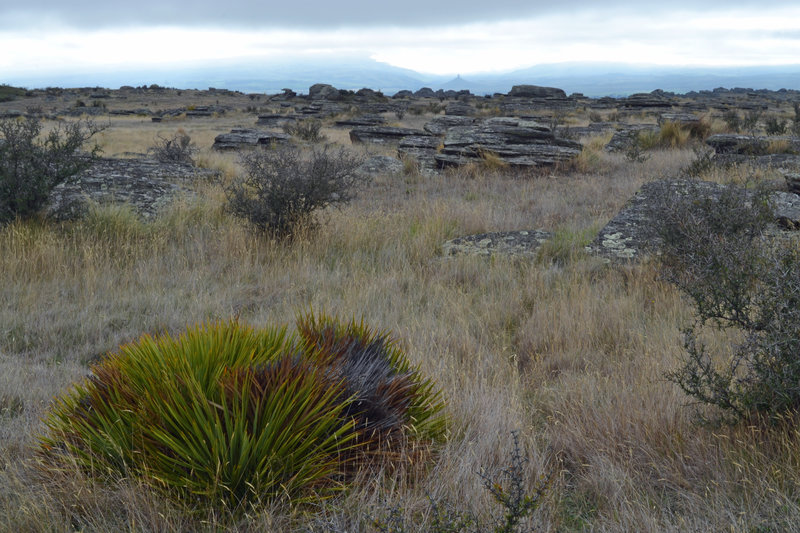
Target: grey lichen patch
[{"x": 522, "y": 244}]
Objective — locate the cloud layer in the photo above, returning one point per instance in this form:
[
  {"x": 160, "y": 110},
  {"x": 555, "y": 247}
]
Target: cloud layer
[
  {"x": 96, "y": 14},
  {"x": 443, "y": 37}
]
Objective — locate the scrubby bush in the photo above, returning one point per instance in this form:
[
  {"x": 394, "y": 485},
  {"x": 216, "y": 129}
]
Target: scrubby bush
[
  {"x": 32, "y": 163},
  {"x": 307, "y": 129},
  {"x": 282, "y": 189},
  {"x": 774, "y": 125},
  {"x": 225, "y": 416},
  {"x": 176, "y": 149},
  {"x": 716, "y": 252},
  {"x": 731, "y": 118}
]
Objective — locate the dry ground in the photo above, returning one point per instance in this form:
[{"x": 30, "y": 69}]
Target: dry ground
[{"x": 567, "y": 350}]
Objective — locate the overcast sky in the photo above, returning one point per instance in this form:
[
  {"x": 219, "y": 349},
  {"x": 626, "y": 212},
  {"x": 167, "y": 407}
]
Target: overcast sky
[{"x": 433, "y": 36}]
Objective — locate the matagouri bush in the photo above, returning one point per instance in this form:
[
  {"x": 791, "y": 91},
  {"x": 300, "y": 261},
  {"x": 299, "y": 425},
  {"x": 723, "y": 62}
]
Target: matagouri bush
[
  {"x": 232, "y": 415},
  {"x": 176, "y": 149},
  {"x": 282, "y": 189},
  {"x": 32, "y": 163},
  {"x": 716, "y": 250}
]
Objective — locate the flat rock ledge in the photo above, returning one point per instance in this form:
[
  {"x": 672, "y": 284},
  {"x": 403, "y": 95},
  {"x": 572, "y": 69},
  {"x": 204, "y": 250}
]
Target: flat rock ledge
[
  {"x": 146, "y": 184},
  {"x": 630, "y": 235},
  {"x": 520, "y": 244}
]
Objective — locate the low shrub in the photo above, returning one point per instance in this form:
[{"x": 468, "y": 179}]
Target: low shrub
[
  {"x": 176, "y": 149},
  {"x": 231, "y": 416},
  {"x": 281, "y": 189},
  {"x": 32, "y": 163},
  {"x": 774, "y": 125},
  {"x": 307, "y": 129},
  {"x": 716, "y": 252}
]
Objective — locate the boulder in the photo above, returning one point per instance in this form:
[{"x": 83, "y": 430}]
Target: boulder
[
  {"x": 425, "y": 92},
  {"x": 522, "y": 244},
  {"x": 323, "y": 91},
  {"x": 382, "y": 134},
  {"x": 240, "y": 138},
  {"x": 145, "y": 184},
  {"x": 405, "y": 93},
  {"x": 535, "y": 91}
]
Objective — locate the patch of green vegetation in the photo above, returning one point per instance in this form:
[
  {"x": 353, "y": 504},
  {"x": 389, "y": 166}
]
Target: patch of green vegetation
[{"x": 9, "y": 93}]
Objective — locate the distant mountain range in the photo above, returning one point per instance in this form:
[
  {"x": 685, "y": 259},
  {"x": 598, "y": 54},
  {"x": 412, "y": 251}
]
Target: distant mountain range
[{"x": 262, "y": 76}]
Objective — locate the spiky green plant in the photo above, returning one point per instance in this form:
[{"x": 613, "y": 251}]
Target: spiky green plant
[
  {"x": 392, "y": 402},
  {"x": 229, "y": 414},
  {"x": 223, "y": 413}
]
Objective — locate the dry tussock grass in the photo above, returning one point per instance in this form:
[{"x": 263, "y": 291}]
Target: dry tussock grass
[{"x": 571, "y": 352}]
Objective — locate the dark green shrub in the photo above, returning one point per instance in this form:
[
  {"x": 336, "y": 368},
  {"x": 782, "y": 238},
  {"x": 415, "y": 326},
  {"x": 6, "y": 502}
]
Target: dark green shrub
[
  {"x": 33, "y": 163},
  {"x": 176, "y": 149},
  {"x": 233, "y": 416},
  {"x": 282, "y": 189},
  {"x": 716, "y": 252}
]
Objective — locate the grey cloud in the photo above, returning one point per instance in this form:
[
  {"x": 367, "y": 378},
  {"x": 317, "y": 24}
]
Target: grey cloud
[{"x": 325, "y": 13}]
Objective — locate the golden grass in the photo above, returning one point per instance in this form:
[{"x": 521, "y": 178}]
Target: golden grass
[{"x": 568, "y": 350}]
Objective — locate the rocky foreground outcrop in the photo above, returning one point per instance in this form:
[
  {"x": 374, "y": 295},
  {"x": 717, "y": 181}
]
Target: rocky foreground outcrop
[{"x": 145, "y": 184}]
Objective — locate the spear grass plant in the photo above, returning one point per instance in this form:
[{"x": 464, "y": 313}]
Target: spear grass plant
[{"x": 225, "y": 416}]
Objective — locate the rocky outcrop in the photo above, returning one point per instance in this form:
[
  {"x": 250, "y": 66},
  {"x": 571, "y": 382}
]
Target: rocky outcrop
[
  {"x": 460, "y": 109},
  {"x": 517, "y": 142},
  {"x": 630, "y": 235},
  {"x": 628, "y": 136},
  {"x": 423, "y": 148},
  {"x": 275, "y": 120},
  {"x": 146, "y": 184},
  {"x": 439, "y": 125},
  {"x": 535, "y": 91},
  {"x": 729, "y": 143},
  {"x": 380, "y": 164},
  {"x": 240, "y": 138},
  {"x": 655, "y": 99},
  {"x": 684, "y": 119},
  {"x": 382, "y": 134},
  {"x": 522, "y": 244},
  {"x": 323, "y": 91},
  {"x": 362, "y": 120}
]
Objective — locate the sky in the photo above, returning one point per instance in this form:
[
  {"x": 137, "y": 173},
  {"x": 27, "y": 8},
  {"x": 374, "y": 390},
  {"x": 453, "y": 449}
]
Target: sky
[{"x": 440, "y": 36}]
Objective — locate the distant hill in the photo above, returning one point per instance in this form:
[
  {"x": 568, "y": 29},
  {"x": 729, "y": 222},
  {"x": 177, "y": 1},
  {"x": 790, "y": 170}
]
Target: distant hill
[{"x": 298, "y": 74}]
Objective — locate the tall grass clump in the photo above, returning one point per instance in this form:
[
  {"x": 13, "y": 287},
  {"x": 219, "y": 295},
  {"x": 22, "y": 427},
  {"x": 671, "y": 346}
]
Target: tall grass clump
[{"x": 224, "y": 416}]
